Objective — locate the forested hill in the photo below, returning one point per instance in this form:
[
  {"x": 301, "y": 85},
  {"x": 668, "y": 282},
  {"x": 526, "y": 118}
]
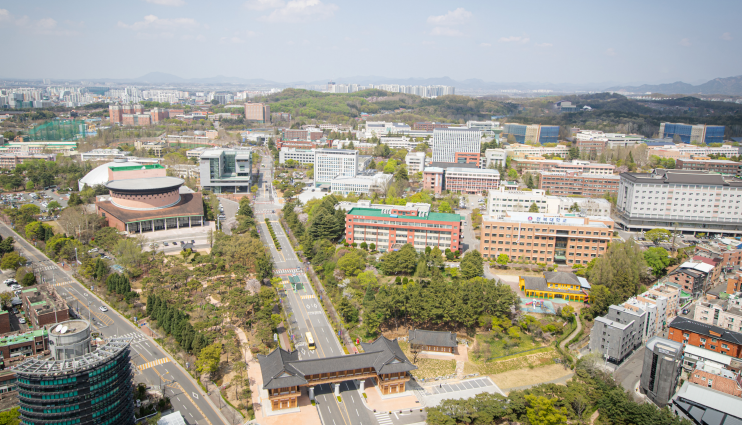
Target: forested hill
[{"x": 305, "y": 105}]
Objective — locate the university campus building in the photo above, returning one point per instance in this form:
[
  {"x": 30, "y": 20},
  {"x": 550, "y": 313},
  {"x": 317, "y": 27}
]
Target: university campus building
[{"x": 562, "y": 285}]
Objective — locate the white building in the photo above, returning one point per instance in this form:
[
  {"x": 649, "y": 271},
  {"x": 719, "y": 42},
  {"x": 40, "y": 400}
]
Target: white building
[
  {"x": 486, "y": 127},
  {"x": 448, "y": 141},
  {"x": 415, "y": 162},
  {"x": 497, "y": 157},
  {"x": 501, "y": 200},
  {"x": 612, "y": 140},
  {"x": 696, "y": 200},
  {"x": 381, "y": 128},
  {"x": 521, "y": 150},
  {"x": 330, "y": 164},
  {"x": 399, "y": 142},
  {"x": 344, "y": 144},
  {"x": 103, "y": 154},
  {"x": 304, "y": 156},
  {"x": 361, "y": 184}
]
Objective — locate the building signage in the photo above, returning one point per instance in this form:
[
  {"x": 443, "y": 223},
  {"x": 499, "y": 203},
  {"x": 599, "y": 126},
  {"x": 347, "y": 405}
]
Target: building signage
[{"x": 542, "y": 219}]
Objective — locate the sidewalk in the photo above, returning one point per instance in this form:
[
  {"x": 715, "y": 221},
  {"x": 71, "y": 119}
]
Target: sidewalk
[{"x": 375, "y": 402}]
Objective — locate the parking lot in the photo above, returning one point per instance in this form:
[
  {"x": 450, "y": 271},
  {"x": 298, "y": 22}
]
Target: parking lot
[
  {"x": 174, "y": 237},
  {"x": 16, "y": 313},
  {"x": 43, "y": 198}
]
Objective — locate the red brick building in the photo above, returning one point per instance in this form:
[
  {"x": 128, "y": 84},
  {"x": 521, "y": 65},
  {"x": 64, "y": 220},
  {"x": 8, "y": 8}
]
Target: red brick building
[
  {"x": 136, "y": 119},
  {"x": 716, "y": 165},
  {"x": 159, "y": 114},
  {"x": 16, "y": 347},
  {"x": 705, "y": 336},
  {"x": 467, "y": 158},
  {"x": 722, "y": 380},
  {"x": 396, "y": 226},
  {"x": 574, "y": 183},
  {"x": 471, "y": 180},
  {"x": 310, "y": 134},
  {"x": 257, "y": 112},
  {"x": 433, "y": 179},
  {"x": 301, "y": 144},
  {"x": 44, "y": 306},
  {"x": 4, "y": 322}
]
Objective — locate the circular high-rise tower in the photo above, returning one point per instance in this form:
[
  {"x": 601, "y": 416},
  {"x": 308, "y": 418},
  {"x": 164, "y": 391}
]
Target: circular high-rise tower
[{"x": 78, "y": 385}]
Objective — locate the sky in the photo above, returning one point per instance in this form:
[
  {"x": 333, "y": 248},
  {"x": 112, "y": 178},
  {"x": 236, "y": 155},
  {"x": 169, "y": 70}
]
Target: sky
[{"x": 568, "y": 41}]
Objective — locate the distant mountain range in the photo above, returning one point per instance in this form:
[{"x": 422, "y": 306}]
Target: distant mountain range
[{"x": 730, "y": 86}]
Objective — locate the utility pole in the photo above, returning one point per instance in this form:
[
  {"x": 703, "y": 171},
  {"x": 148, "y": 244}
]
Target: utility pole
[{"x": 674, "y": 235}]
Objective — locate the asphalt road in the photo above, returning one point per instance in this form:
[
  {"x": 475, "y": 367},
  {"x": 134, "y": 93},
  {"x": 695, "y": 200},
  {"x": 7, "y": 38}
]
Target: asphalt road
[
  {"x": 308, "y": 315},
  {"x": 152, "y": 365}
]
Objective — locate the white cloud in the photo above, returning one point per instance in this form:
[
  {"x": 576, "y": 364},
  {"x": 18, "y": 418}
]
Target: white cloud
[
  {"x": 544, "y": 45},
  {"x": 447, "y": 32},
  {"x": 233, "y": 40},
  {"x": 302, "y": 11},
  {"x": 167, "y": 2},
  {"x": 43, "y": 26},
  {"x": 453, "y": 17},
  {"x": 610, "y": 52},
  {"x": 263, "y": 4},
  {"x": 685, "y": 42},
  {"x": 485, "y": 45},
  {"x": 515, "y": 39},
  {"x": 726, "y": 36},
  {"x": 152, "y": 22},
  {"x": 238, "y": 37},
  {"x": 4, "y": 15}
]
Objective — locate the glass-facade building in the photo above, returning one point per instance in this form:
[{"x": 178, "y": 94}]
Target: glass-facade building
[
  {"x": 92, "y": 389},
  {"x": 549, "y": 134},
  {"x": 226, "y": 170},
  {"x": 533, "y": 133},
  {"x": 688, "y": 133}
]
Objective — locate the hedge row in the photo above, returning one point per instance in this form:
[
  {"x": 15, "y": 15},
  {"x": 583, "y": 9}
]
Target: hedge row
[{"x": 273, "y": 234}]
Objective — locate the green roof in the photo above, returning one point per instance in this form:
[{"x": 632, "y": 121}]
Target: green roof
[
  {"x": 38, "y": 303},
  {"x": 136, "y": 167},
  {"x": 26, "y": 337},
  {"x": 28, "y": 290},
  {"x": 371, "y": 212}
]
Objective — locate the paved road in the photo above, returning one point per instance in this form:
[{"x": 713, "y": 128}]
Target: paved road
[
  {"x": 153, "y": 365},
  {"x": 628, "y": 373},
  {"x": 306, "y": 311}
]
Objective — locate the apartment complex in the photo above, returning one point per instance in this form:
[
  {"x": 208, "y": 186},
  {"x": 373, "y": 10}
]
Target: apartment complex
[
  {"x": 116, "y": 112},
  {"x": 722, "y": 313},
  {"x": 697, "y": 201},
  {"x": 330, "y": 164},
  {"x": 617, "y": 334},
  {"x": 415, "y": 162},
  {"x": 302, "y": 156},
  {"x": 720, "y": 166},
  {"x": 709, "y": 337},
  {"x": 448, "y": 141},
  {"x": 393, "y": 226},
  {"x": 661, "y": 370},
  {"x": 574, "y": 183},
  {"x": 260, "y": 112},
  {"x": 226, "y": 170},
  {"x": 696, "y": 134},
  {"x": 545, "y": 238},
  {"x": 691, "y": 276},
  {"x": 532, "y": 133}
]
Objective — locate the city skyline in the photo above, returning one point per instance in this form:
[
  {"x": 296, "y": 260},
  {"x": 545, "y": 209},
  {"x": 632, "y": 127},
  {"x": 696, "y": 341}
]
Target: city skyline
[{"x": 339, "y": 39}]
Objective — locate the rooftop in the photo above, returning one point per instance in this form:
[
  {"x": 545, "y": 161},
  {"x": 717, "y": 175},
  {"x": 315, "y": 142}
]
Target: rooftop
[
  {"x": 710, "y": 331},
  {"x": 146, "y": 184},
  {"x": 369, "y": 212},
  {"x": 708, "y": 406},
  {"x": 50, "y": 367},
  {"x": 136, "y": 167},
  {"x": 190, "y": 205},
  {"x": 435, "y": 338},
  {"x": 21, "y": 338},
  {"x": 43, "y": 299}
]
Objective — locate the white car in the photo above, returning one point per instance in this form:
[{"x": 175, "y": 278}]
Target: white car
[
  {"x": 103, "y": 309},
  {"x": 93, "y": 250},
  {"x": 21, "y": 320}
]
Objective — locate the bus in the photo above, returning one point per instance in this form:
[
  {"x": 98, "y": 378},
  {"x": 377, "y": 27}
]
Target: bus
[{"x": 310, "y": 341}]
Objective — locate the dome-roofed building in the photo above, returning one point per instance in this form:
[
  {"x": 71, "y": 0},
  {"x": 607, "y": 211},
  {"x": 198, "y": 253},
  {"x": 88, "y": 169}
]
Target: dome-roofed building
[
  {"x": 144, "y": 199},
  {"x": 99, "y": 175}
]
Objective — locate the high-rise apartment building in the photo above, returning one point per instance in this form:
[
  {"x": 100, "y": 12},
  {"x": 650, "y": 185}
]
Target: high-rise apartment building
[
  {"x": 226, "y": 170},
  {"x": 689, "y": 133},
  {"x": 79, "y": 384},
  {"x": 448, "y": 141},
  {"x": 260, "y": 112},
  {"x": 663, "y": 360},
  {"x": 694, "y": 200},
  {"x": 332, "y": 163},
  {"x": 532, "y": 133}
]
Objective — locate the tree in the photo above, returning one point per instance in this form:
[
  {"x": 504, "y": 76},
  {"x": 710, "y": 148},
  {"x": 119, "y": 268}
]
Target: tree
[
  {"x": 367, "y": 279},
  {"x": 29, "y": 186},
  {"x": 351, "y": 263},
  {"x": 28, "y": 280},
  {"x": 254, "y": 189},
  {"x": 574, "y": 153},
  {"x": 239, "y": 369},
  {"x": 208, "y": 359},
  {"x": 574, "y": 208},
  {"x": 347, "y": 311},
  {"x": 472, "y": 265},
  {"x": 372, "y": 247},
  {"x": 512, "y": 174},
  {"x": 444, "y": 207},
  {"x": 503, "y": 260},
  {"x": 401, "y": 174},
  {"x": 5, "y": 298},
  {"x": 529, "y": 181},
  {"x": 53, "y": 207},
  {"x": 568, "y": 313},
  {"x": 74, "y": 200},
  {"x": 533, "y": 208},
  {"x": 11, "y": 416},
  {"x": 12, "y": 261},
  {"x": 658, "y": 259},
  {"x": 542, "y": 411},
  {"x": 658, "y": 235}
]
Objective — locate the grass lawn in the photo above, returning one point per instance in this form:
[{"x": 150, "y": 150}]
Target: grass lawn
[
  {"x": 429, "y": 368},
  {"x": 503, "y": 345},
  {"x": 543, "y": 357}
]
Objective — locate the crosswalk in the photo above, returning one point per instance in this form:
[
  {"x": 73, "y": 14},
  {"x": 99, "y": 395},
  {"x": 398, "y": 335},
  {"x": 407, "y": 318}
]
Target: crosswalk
[
  {"x": 63, "y": 283},
  {"x": 383, "y": 418},
  {"x": 45, "y": 268},
  {"x": 287, "y": 271},
  {"x": 153, "y": 363},
  {"x": 134, "y": 337},
  {"x": 307, "y": 297}
]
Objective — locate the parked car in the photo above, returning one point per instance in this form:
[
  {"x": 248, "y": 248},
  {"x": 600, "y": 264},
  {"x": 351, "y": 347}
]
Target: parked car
[
  {"x": 103, "y": 309},
  {"x": 21, "y": 320},
  {"x": 166, "y": 244},
  {"x": 93, "y": 250}
]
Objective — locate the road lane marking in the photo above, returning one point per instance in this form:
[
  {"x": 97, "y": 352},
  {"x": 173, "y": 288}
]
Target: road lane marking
[
  {"x": 194, "y": 403},
  {"x": 154, "y": 363}
]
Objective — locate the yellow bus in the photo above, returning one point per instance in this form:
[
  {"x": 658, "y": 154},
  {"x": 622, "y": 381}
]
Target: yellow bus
[{"x": 310, "y": 341}]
